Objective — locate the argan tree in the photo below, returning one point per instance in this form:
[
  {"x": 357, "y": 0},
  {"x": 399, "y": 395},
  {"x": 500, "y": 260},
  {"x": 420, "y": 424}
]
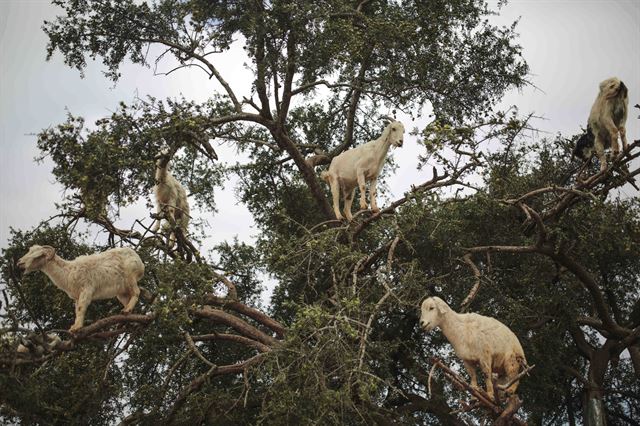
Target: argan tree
[{"x": 500, "y": 226}]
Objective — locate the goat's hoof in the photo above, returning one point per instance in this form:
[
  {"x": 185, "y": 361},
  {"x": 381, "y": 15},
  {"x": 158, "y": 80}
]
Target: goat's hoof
[
  {"x": 126, "y": 311},
  {"x": 74, "y": 328},
  {"x": 375, "y": 210}
]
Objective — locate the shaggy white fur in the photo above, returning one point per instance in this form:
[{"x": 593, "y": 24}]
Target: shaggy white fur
[
  {"x": 478, "y": 341},
  {"x": 171, "y": 199},
  {"x": 608, "y": 118},
  {"x": 354, "y": 167},
  {"x": 112, "y": 273}
]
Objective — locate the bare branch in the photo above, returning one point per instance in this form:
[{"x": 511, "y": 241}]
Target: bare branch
[
  {"x": 212, "y": 69},
  {"x": 474, "y": 290},
  {"x": 237, "y": 324},
  {"x": 232, "y": 338},
  {"x": 252, "y": 313},
  {"x": 196, "y": 351}
]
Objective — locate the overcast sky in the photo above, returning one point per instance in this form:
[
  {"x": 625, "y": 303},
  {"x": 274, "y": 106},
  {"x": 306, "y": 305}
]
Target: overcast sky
[{"x": 570, "y": 46}]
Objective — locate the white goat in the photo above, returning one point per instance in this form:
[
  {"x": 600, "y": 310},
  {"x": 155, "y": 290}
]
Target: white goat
[
  {"x": 477, "y": 340},
  {"x": 112, "y": 273},
  {"x": 171, "y": 199},
  {"x": 354, "y": 167}
]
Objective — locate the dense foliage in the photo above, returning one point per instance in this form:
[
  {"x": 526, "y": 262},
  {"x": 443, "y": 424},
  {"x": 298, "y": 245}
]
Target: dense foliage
[{"x": 557, "y": 258}]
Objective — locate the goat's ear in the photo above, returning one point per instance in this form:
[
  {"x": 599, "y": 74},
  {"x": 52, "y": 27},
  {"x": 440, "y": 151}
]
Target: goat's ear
[
  {"x": 50, "y": 252},
  {"x": 386, "y": 132},
  {"x": 441, "y": 306}
]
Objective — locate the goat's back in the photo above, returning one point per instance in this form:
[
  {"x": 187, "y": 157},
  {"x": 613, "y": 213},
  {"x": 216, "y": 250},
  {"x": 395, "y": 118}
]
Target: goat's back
[
  {"x": 170, "y": 192},
  {"x": 494, "y": 337},
  {"x": 344, "y": 166},
  {"x": 109, "y": 272}
]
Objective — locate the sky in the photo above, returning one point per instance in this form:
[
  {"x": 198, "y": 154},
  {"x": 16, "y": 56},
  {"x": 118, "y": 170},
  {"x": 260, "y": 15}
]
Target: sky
[{"x": 569, "y": 45}]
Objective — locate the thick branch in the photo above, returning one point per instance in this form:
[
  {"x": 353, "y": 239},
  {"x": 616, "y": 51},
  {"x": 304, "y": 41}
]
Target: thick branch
[
  {"x": 252, "y": 313},
  {"x": 634, "y": 351},
  {"x": 307, "y": 172},
  {"x": 288, "y": 79},
  {"x": 237, "y": 324},
  {"x": 232, "y": 338},
  {"x": 100, "y": 324},
  {"x": 592, "y": 287}
]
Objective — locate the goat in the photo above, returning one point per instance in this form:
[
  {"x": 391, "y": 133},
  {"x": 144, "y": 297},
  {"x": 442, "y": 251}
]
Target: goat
[
  {"x": 171, "y": 199},
  {"x": 356, "y": 166},
  {"x": 112, "y": 273},
  {"x": 477, "y": 340},
  {"x": 38, "y": 344},
  {"x": 608, "y": 117}
]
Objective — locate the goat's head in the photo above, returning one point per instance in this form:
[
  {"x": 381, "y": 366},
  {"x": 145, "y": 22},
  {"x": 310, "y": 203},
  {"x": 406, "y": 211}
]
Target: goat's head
[
  {"x": 612, "y": 87},
  {"x": 163, "y": 157},
  {"x": 394, "y": 133},
  {"x": 432, "y": 311},
  {"x": 36, "y": 258}
]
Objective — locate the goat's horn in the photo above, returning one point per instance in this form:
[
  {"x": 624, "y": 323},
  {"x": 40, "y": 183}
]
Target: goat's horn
[{"x": 386, "y": 117}]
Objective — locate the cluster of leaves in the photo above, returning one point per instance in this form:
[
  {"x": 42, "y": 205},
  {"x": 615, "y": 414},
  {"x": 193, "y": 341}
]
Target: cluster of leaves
[{"x": 113, "y": 164}]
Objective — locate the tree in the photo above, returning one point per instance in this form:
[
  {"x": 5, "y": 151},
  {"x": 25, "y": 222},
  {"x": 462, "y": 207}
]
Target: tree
[{"x": 339, "y": 342}]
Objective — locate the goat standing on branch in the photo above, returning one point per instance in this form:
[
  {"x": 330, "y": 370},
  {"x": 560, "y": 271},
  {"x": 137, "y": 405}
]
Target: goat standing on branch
[
  {"x": 607, "y": 119},
  {"x": 354, "y": 167},
  {"x": 171, "y": 199},
  {"x": 477, "y": 340},
  {"x": 112, "y": 273}
]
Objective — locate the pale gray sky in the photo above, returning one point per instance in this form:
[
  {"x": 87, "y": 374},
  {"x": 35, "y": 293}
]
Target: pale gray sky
[{"x": 570, "y": 46}]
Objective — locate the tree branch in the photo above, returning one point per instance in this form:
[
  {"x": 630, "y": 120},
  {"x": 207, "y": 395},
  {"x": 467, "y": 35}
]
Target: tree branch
[
  {"x": 212, "y": 69},
  {"x": 252, "y": 313},
  {"x": 476, "y": 286},
  {"x": 241, "y": 326}
]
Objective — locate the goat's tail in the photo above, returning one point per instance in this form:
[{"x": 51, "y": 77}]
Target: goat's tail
[
  {"x": 522, "y": 361},
  {"x": 325, "y": 176}
]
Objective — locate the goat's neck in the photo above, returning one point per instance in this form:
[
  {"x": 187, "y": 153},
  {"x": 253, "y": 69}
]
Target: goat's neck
[
  {"x": 452, "y": 327},
  {"x": 161, "y": 173},
  {"x": 381, "y": 150},
  {"x": 57, "y": 270}
]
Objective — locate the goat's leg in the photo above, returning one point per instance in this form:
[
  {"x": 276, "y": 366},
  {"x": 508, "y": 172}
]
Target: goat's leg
[
  {"x": 471, "y": 369},
  {"x": 335, "y": 193},
  {"x": 82, "y": 303},
  {"x": 488, "y": 377},
  {"x": 172, "y": 240},
  {"x": 623, "y": 137},
  {"x": 134, "y": 295},
  {"x": 348, "y": 200},
  {"x": 372, "y": 195},
  {"x": 363, "y": 189},
  {"x": 123, "y": 299},
  {"x": 512, "y": 368},
  {"x": 171, "y": 220},
  {"x": 599, "y": 147},
  {"x": 156, "y": 223}
]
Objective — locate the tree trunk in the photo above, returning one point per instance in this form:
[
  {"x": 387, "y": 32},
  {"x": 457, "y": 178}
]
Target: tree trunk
[
  {"x": 634, "y": 352},
  {"x": 593, "y": 404},
  {"x": 570, "y": 413}
]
